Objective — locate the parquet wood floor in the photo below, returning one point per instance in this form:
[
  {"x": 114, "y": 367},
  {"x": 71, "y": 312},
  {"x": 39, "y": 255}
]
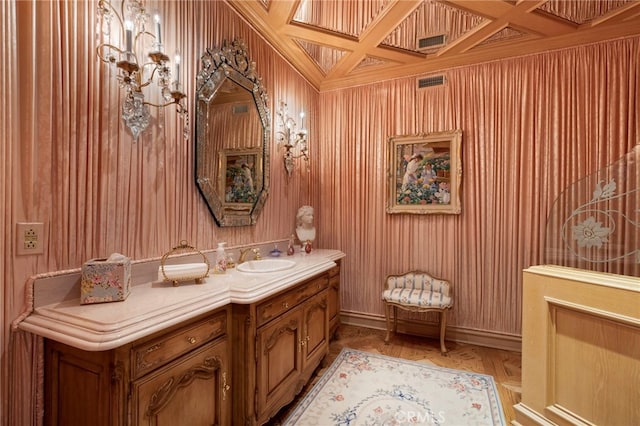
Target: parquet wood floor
[{"x": 504, "y": 366}]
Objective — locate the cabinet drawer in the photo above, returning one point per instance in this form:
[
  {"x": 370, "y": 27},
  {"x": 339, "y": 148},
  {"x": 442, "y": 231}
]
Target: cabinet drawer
[
  {"x": 157, "y": 352},
  {"x": 282, "y": 303}
]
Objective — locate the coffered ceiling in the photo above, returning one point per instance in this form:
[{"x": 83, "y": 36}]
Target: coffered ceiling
[{"x": 343, "y": 43}]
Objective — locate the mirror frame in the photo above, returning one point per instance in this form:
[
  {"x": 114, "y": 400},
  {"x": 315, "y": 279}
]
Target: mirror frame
[{"x": 230, "y": 61}]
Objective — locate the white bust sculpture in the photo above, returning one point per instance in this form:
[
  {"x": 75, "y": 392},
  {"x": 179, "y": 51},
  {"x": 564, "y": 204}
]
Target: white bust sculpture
[{"x": 304, "y": 225}]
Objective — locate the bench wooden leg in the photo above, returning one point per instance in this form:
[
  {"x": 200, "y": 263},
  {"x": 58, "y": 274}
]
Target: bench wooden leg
[
  {"x": 443, "y": 325},
  {"x": 387, "y": 309},
  {"x": 395, "y": 320}
]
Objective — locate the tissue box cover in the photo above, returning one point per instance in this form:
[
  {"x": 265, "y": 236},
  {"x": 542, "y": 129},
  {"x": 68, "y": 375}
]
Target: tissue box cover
[{"x": 105, "y": 281}]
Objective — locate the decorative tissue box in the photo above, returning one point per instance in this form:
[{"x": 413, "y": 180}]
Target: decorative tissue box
[{"x": 105, "y": 280}]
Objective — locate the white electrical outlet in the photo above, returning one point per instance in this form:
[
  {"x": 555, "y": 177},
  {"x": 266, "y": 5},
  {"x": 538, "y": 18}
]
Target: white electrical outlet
[{"x": 29, "y": 238}]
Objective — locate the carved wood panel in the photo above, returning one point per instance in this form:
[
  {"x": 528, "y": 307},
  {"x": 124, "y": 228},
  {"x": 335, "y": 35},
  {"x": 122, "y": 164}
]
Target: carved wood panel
[{"x": 191, "y": 390}]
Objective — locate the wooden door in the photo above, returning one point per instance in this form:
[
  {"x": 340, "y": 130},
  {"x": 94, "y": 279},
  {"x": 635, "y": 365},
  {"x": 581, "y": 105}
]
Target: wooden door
[
  {"x": 81, "y": 388},
  {"x": 279, "y": 362},
  {"x": 192, "y": 390},
  {"x": 316, "y": 329}
]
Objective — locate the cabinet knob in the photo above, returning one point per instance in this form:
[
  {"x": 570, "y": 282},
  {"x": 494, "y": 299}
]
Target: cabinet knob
[
  {"x": 285, "y": 305},
  {"x": 191, "y": 340}
]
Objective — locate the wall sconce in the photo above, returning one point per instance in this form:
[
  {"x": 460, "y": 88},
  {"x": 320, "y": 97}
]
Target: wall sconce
[
  {"x": 291, "y": 137},
  {"x": 133, "y": 75}
]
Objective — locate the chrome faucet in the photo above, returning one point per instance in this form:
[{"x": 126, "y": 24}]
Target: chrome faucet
[{"x": 243, "y": 254}]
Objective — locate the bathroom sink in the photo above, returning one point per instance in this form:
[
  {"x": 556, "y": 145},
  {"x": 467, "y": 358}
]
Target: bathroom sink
[{"x": 266, "y": 265}]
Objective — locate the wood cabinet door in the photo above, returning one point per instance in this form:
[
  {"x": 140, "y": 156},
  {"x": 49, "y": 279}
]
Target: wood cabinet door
[
  {"x": 81, "y": 388},
  {"x": 316, "y": 329},
  {"x": 192, "y": 390},
  {"x": 279, "y": 362}
]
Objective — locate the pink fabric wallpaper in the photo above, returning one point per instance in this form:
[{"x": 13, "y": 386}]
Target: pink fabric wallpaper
[
  {"x": 68, "y": 160},
  {"x": 531, "y": 126}
]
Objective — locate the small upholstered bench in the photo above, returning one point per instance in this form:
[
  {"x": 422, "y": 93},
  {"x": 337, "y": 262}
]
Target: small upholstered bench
[{"x": 417, "y": 291}]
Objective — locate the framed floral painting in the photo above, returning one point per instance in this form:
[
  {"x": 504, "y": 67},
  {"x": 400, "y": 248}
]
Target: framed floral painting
[
  {"x": 425, "y": 173},
  {"x": 239, "y": 174}
]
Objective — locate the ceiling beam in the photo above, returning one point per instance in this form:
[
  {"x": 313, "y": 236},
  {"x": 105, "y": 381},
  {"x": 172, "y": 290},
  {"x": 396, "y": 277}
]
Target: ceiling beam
[
  {"x": 628, "y": 11},
  {"x": 386, "y": 22},
  {"x": 320, "y": 36},
  {"x": 541, "y": 31},
  {"x": 281, "y": 12},
  {"x": 471, "y": 39},
  {"x": 521, "y": 15},
  {"x": 347, "y": 43},
  {"x": 480, "y": 55},
  {"x": 268, "y": 24}
]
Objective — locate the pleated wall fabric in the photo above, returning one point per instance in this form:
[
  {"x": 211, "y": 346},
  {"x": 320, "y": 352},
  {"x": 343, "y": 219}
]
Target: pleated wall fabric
[
  {"x": 531, "y": 127},
  {"x": 68, "y": 160}
]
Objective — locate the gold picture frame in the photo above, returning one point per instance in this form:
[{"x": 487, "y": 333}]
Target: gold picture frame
[
  {"x": 240, "y": 175},
  {"x": 425, "y": 173}
]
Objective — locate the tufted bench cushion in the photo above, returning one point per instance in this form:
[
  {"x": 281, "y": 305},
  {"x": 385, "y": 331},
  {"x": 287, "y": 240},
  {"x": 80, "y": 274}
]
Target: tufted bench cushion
[
  {"x": 420, "y": 290},
  {"x": 417, "y": 297}
]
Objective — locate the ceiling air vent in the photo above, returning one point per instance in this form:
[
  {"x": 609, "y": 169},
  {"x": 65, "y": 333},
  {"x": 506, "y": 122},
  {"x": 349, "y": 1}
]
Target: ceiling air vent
[
  {"x": 431, "y": 43},
  {"x": 240, "y": 109},
  {"x": 432, "y": 81}
]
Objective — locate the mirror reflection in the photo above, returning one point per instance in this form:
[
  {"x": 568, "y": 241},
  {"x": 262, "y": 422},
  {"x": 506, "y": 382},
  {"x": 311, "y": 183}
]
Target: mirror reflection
[{"x": 232, "y": 135}]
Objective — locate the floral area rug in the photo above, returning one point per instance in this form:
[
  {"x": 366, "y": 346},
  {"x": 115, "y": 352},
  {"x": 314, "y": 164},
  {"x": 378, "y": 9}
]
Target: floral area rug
[{"x": 361, "y": 388}]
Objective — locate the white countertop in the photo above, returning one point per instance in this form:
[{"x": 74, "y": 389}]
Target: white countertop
[{"x": 154, "y": 306}]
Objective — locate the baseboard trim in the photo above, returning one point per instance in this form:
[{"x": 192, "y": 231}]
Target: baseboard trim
[
  {"x": 525, "y": 416},
  {"x": 431, "y": 329}
]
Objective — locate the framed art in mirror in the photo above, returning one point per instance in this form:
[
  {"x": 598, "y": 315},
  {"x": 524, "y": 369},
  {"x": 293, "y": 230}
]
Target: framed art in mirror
[
  {"x": 232, "y": 128},
  {"x": 238, "y": 179},
  {"x": 425, "y": 173}
]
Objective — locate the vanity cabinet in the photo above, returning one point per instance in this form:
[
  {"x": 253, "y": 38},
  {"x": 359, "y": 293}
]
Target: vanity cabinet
[
  {"x": 278, "y": 344},
  {"x": 180, "y": 375}
]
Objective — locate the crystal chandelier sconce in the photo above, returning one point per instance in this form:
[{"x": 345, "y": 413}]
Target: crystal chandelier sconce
[
  {"x": 135, "y": 76},
  {"x": 291, "y": 137}
]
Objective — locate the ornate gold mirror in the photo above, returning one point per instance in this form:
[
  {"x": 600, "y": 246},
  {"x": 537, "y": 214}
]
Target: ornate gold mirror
[{"x": 232, "y": 135}]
